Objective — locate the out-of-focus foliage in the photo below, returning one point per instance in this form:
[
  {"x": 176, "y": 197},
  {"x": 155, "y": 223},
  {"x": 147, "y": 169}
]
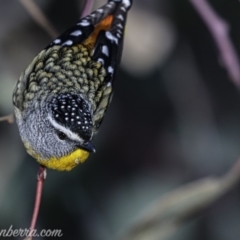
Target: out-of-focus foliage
[{"x": 174, "y": 118}]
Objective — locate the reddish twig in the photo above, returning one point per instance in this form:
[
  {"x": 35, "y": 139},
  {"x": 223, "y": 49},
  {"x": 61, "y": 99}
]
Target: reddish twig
[
  {"x": 42, "y": 173},
  {"x": 219, "y": 30},
  {"x": 39, "y": 17},
  {"x": 9, "y": 118},
  {"x": 88, "y": 5}
]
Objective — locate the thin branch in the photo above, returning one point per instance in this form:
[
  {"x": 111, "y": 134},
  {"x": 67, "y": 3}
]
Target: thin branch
[
  {"x": 171, "y": 211},
  {"x": 39, "y": 17},
  {"x": 219, "y": 30},
  {"x": 88, "y": 5},
  {"x": 9, "y": 118},
  {"x": 42, "y": 173}
]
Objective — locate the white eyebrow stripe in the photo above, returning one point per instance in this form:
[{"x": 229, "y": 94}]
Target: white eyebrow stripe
[{"x": 68, "y": 132}]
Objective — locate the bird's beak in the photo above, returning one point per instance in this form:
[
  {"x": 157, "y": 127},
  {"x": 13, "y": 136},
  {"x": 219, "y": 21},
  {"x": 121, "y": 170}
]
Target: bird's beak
[{"x": 88, "y": 146}]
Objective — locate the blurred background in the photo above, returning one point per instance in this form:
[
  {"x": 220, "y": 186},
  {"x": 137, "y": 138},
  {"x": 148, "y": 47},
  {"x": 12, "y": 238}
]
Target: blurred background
[{"x": 174, "y": 118}]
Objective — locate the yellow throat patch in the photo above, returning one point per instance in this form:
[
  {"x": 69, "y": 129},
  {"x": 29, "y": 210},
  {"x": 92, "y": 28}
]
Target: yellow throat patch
[{"x": 65, "y": 163}]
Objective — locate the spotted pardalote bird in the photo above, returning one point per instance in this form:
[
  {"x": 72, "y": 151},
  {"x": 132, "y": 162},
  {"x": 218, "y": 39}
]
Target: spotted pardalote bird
[{"x": 61, "y": 98}]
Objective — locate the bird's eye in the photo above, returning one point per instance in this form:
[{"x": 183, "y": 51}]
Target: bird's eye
[{"x": 61, "y": 135}]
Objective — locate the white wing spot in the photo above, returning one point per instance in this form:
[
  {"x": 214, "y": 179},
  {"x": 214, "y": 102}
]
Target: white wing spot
[
  {"x": 123, "y": 9},
  {"x": 105, "y": 50},
  {"x": 118, "y": 35},
  {"x": 101, "y": 61},
  {"x": 56, "y": 41},
  {"x": 110, "y": 69},
  {"x": 76, "y": 33},
  {"x": 120, "y": 17},
  {"x": 100, "y": 10},
  {"x": 120, "y": 25},
  {"x": 84, "y": 23},
  {"x": 109, "y": 84},
  {"x": 127, "y": 3},
  {"x": 67, "y": 43},
  {"x": 111, "y": 37},
  {"x": 109, "y": 5}
]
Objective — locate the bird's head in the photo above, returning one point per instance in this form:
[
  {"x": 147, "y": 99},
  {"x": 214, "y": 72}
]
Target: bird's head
[{"x": 58, "y": 131}]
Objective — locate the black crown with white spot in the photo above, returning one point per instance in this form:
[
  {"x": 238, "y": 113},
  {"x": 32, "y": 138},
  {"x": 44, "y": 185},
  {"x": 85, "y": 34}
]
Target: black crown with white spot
[{"x": 72, "y": 112}]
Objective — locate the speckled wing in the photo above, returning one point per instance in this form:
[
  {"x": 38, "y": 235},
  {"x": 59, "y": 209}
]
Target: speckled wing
[{"x": 83, "y": 61}]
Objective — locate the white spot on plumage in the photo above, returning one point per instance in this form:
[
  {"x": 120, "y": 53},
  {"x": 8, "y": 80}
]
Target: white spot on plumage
[
  {"x": 110, "y": 69},
  {"x": 109, "y": 84},
  {"x": 56, "y": 41},
  {"x": 84, "y": 23},
  {"x": 105, "y": 50},
  {"x": 123, "y": 9},
  {"x": 118, "y": 35},
  {"x": 111, "y": 37},
  {"x": 76, "y": 33},
  {"x": 100, "y": 10},
  {"x": 101, "y": 61},
  {"x": 120, "y": 17},
  {"x": 127, "y": 3},
  {"x": 67, "y": 43},
  {"x": 120, "y": 25},
  {"x": 109, "y": 5}
]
